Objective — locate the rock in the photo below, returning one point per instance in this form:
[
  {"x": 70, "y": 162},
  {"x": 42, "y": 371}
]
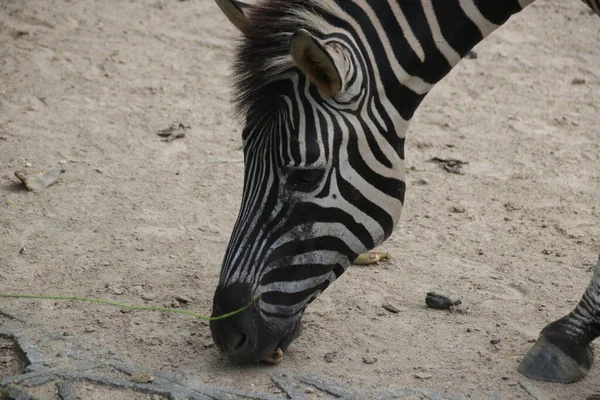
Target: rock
[
  {"x": 458, "y": 209},
  {"x": 495, "y": 340},
  {"x": 578, "y": 81},
  {"x": 422, "y": 375},
  {"x": 88, "y": 329},
  {"x": 422, "y": 182},
  {"x": 329, "y": 357},
  {"x": 149, "y": 296},
  {"x": 440, "y": 302},
  {"x": 450, "y": 165},
  {"x": 390, "y": 308},
  {"x": 471, "y": 55},
  {"x": 175, "y": 131},
  {"x": 114, "y": 289},
  {"x": 183, "y": 299},
  {"x": 369, "y": 360},
  {"x": 39, "y": 182}
]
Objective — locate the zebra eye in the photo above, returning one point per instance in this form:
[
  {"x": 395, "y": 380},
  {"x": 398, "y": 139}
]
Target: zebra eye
[{"x": 304, "y": 179}]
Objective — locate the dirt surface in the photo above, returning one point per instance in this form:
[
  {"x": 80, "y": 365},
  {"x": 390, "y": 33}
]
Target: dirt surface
[{"x": 85, "y": 86}]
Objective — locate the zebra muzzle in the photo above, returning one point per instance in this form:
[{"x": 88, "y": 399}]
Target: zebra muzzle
[{"x": 247, "y": 337}]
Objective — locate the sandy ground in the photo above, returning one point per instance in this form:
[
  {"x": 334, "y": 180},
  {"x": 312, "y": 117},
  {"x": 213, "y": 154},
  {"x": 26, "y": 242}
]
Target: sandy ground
[{"x": 85, "y": 85}]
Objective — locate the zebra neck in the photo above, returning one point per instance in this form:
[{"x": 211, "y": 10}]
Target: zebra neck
[{"x": 428, "y": 38}]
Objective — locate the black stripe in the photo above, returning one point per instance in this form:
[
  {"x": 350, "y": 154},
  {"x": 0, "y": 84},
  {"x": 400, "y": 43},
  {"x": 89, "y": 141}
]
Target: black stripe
[
  {"x": 435, "y": 66},
  {"x": 356, "y": 198},
  {"x": 458, "y": 29},
  {"x": 307, "y": 245},
  {"x": 497, "y": 12},
  {"x": 291, "y": 299},
  {"x": 295, "y": 273},
  {"x": 403, "y": 99}
]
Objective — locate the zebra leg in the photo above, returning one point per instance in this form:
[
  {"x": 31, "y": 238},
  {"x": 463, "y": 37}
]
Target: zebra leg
[{"x": 562, "y": 353}]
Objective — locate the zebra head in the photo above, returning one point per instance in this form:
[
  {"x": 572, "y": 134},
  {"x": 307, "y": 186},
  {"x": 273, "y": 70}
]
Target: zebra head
[{"x": 323, "y": 168}]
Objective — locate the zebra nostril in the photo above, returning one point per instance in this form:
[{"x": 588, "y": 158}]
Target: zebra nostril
[{"x": 241, "y": 342}]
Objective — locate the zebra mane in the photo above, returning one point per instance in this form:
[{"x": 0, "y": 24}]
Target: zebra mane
[{"x": 263, "y": 55}]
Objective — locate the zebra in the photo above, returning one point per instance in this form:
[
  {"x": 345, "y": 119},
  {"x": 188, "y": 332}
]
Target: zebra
[{"x": 327, "y": 89}]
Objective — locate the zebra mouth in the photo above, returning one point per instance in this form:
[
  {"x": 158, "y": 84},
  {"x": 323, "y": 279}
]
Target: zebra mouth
[{"x": 247, "y": 337}]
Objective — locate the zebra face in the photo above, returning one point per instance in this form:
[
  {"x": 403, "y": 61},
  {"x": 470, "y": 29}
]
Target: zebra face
[{"x": 322, "y": 180}]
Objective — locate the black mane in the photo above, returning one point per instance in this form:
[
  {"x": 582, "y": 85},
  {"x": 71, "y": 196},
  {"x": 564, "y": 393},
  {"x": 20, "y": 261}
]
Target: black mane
[{"x": 267, "y": 40}]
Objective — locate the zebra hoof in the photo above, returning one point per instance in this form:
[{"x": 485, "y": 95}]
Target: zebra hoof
[{"x": 545, "y": 361}]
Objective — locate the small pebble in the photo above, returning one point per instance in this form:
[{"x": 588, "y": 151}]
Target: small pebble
[
  {"x": 578, "y": 81},
  {"x": 115, "y": 290},
  {"x": 458, "y": 209},
  {"x": 390, "y": 308},
  {"x": 423, "y": 376},
  {"x": 471, "y": 55},
  {"x": 423, "y": 182},
  {"x": 149, "y": 296},
  {"x": 39, "y": 182},
  {"x": 183, "y": 299},
  {"x": 495, "y": 340},
  {"x": 28, "y": 164},
  {"x": 329, "y": 357},
  {"x": 89, "y": 330},
  {"x": 439, "y": 302},
  {"x": 511, "y": 206},
  {"x": 369, "y": 360}
]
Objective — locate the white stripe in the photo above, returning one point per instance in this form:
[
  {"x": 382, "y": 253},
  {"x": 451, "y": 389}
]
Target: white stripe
[
  {"x": 471, "y": 10},
  {"x": 359, "y": 216},
  {"x": 322, "y": 229},
  {"x": 449, "y": 53},
  {"x": 414, "y": 83},
  {"x": 408, "y": 33}
]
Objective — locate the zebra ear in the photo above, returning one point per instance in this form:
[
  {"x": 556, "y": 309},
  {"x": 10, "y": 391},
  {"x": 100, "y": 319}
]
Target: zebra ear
[
  {"x": 318, "y": 61},
  {"x": 234, "y": 10}
]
